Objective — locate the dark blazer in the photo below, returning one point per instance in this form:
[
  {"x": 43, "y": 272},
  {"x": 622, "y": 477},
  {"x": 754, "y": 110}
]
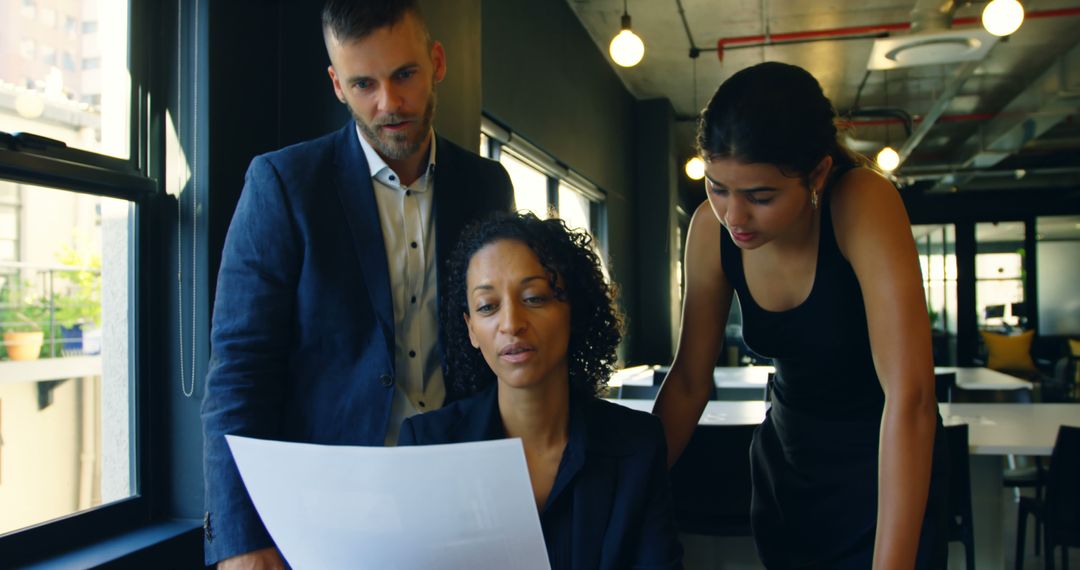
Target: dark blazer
[
  {"x": 610, "y": 506},
  {"x": 303, "y": 329}
]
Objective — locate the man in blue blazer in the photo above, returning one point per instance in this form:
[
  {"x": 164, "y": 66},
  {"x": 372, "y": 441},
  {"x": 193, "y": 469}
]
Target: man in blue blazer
[{"x": 325, "y": 327}]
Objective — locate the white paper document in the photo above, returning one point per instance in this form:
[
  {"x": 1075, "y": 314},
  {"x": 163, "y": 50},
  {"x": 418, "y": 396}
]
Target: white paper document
[{"x": 459, "y": 506}]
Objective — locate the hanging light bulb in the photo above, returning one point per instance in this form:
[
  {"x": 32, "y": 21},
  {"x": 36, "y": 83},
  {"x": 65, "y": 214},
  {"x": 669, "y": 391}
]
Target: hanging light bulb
[
  {"x": 695, "y": 168},
  {"x": 1002, "y": 17},
  {"x": 626, "y": 48},
  {"x": 888, "y": 159}
]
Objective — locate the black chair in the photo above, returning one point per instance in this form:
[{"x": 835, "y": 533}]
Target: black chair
[
  {"x": 1022, "y": 473},
  {"x": 660, "y": 373},
  {"x": 1017, "y": 396},
  {"x": 1059, "y": 512},
  {"x": 944, "y": 384},
  {"x": 638, "y": 392},
  {"x": 710, "y": 484},
  {"x": 961, "y": 523},
  {"x": 753, "y": 394}
]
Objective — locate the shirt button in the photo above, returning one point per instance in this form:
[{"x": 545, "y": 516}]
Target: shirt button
[
  {"x": 421, "y": 402},
  {"x": 392, "y": 178},
  {"x": 412, "y": 354},
  {"x": 413, "y": 300},
  {"x": 408, "y": 192},
  {"x": 413, "y": 245},
  {"x": 386, "y": 380}
]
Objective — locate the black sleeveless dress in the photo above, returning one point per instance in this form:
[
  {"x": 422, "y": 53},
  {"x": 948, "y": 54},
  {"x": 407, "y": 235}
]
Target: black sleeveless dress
[{"x": 814, "y": 458}]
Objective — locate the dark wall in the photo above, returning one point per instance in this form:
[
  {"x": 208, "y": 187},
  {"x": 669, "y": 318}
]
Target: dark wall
[
  {"x": 656, "y": 222},
  {"x": 457, "y": 25},
  {"x": 269, "y": 91},
  {"x": 546, "y": 80}
]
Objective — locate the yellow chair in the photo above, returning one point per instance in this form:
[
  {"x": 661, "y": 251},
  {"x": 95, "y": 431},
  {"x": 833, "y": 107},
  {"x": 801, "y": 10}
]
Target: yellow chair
[{"x": 1010, "y": 354}]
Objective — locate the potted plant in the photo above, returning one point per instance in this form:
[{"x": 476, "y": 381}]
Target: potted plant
[
  {"x": 22, "y": 326},
  {"x": 78, "y": 309}
]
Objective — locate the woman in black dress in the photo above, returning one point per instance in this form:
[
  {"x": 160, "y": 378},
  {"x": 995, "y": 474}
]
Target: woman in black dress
[{"x": 819, "y": 250}]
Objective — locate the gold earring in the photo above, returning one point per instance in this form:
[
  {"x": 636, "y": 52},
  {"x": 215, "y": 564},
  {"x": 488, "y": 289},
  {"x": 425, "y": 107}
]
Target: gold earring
[{"x": 814, "y": 199}]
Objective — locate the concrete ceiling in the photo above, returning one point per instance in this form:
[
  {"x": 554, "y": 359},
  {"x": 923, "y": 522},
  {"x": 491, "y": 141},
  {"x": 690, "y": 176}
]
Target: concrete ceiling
[{"x": 1020, "y": 102}]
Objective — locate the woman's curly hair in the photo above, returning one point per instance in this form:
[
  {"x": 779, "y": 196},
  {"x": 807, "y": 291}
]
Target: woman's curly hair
[{"x": 595, "y": 320}]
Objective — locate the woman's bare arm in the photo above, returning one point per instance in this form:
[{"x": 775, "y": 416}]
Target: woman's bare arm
[
  {"x": 686, "y": 388},
  {"x": 874, "y": 234}
]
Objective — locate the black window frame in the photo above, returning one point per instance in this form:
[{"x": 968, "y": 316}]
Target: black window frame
[{"x": 138, "y": 180}]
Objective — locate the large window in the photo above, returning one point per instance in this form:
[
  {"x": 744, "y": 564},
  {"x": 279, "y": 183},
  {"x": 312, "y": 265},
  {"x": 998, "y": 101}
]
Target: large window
[
  {"x": 70, "y": 195},
  {"x": 543, "y": 185}
]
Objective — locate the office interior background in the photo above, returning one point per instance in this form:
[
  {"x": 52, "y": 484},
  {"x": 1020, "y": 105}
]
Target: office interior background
[{"x": 110, "y": 242}]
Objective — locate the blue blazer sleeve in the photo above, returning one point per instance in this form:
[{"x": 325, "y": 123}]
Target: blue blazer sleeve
[
  {"x": 244, "y": 385},
  {"x": 407, "y": 436}
]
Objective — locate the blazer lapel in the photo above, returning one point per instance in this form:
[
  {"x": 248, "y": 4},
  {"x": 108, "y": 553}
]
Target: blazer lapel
[
  {"x": 449, "y": 217},
  {"x": 593, "y": 493},
  {"x": 354, "y": 188}
]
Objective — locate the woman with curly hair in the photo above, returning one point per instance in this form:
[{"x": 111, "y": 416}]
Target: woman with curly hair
[{"x": 531, "y": 331}]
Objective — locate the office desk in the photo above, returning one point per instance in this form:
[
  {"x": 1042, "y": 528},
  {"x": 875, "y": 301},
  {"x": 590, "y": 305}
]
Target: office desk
[
  {"x": 968, "y": 378},
  {"x": 993, "y": 429},
  {"x": 982, "y": 378}
]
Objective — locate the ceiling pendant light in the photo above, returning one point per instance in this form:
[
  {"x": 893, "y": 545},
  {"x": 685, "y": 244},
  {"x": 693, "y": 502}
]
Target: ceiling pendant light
[
  {"x": 626, "y": 48},
  {"x": 888, "y": 159},
  {"x": 1002, "y": 17},
  {"x": 695, "y": 168}
]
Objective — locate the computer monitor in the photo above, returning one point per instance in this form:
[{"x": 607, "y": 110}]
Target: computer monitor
[{"x": 994, "y": 312}]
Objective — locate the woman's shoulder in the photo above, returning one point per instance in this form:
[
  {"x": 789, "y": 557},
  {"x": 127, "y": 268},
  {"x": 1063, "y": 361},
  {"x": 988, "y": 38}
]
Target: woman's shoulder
[
  {"x": 438, "y": 426},
  {"x": 858, "y": 185}
]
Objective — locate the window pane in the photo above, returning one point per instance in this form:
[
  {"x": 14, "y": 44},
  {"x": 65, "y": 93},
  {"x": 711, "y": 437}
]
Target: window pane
[
  {"x": 65, "y": 389},
  {"x": 46, "y": 86},
  {"x": 484, "y": 144},
  {"x": 574, "y": 208},
  {"x": 1058, "y": 275},
  {"x": 936, "y": 245},
  {"x": 998, "y": 265},
  {"x": 530, "y": 185},
  {"x": 999, "y": 271}
]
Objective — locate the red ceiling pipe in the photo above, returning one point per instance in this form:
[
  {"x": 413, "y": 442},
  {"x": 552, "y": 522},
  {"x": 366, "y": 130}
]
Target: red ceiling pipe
[{"x": 850, "y": 31}]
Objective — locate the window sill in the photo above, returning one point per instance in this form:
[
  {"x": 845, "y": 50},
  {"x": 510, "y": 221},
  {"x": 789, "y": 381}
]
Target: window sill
[{"x": 176, "y": 543}]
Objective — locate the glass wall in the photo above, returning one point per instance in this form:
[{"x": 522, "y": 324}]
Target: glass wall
[
  {"x": 1058, "y": 275},
  {"x": 936, "y": 245}
]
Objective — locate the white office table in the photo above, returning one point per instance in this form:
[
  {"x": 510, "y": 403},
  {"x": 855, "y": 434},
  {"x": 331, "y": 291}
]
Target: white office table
[
  {"x": 993, "y": 429},
  {"x": 968, "y": 378}
]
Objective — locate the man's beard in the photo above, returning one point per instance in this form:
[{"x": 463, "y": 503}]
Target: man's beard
[{"x": 397, "y": 146}]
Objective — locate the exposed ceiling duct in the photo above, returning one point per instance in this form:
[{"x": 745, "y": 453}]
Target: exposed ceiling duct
[
  {"x": 931, "y": 41},
  {"x": 1047, "y": 101}
]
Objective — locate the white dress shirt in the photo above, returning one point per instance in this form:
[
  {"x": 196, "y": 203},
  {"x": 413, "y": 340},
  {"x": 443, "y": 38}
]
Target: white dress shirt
[{"x": 408, "y": 228}]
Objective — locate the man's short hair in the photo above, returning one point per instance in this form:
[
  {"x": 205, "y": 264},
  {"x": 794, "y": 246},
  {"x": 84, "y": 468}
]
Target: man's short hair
[{"x": 356, "y": 19}]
